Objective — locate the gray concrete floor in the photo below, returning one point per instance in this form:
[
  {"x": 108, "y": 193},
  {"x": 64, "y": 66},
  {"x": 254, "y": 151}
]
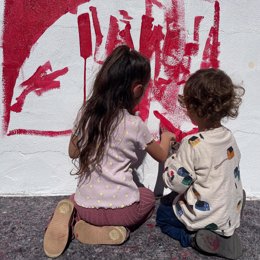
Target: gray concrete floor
[{"x": 23, "y": 220}]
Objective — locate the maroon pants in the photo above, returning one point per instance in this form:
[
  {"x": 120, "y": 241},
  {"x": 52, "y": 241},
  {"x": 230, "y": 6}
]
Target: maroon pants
[{"x": 131, "y": 216}]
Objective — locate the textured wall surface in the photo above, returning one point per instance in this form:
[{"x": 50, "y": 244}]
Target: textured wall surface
[{"x": 51, "y": 50}]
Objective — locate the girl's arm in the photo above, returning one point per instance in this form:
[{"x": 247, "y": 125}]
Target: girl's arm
[
  {"x": 73, "y": 148},
  {"x": 160, "y": 151}
]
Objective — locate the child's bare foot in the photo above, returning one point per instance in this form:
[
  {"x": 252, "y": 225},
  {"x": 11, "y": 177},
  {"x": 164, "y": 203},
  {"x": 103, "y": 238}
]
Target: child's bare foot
[
  {"x": 106, "y": 235},
  {"x": 57, "y": 233}
]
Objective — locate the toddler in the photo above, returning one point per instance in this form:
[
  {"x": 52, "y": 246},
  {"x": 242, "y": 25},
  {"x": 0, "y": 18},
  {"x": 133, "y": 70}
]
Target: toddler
[{"x": 204, "y": 172}]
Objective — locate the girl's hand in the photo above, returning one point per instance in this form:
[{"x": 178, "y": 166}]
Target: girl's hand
[
  {"x": 160, "y": 151},
  {"x": 168, "y": 136}
]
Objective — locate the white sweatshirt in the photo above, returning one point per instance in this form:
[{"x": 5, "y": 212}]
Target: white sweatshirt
[{"x": 205, "y": 173}]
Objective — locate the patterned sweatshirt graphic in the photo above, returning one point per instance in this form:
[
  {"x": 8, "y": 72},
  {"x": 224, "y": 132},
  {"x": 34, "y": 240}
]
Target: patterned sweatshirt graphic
[{"x": 205, "y": 173}]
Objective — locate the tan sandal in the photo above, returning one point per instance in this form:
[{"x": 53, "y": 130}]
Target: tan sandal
[
  {"x": 94, "y": 235},
  {"x": 57, "y": 233}
]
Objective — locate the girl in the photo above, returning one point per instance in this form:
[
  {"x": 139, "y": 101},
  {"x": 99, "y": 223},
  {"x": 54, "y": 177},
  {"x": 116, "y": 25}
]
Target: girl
[
  {"x": 107, "y": 140},
  {"x": 205, "y": 170}
]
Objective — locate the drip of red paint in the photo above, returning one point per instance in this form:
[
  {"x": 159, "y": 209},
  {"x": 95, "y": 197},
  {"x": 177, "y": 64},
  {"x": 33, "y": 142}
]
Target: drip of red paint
[
  {"x": 166, "y": 124},
  {"x": 85, "y": 45}
]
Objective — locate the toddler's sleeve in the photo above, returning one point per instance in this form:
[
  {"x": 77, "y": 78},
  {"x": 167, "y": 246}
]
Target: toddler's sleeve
[
  {"x": 179, "y": 171},
  {"x": 143, "y": 136}
]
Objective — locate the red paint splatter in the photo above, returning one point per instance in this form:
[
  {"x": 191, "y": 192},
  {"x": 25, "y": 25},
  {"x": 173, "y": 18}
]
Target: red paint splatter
[
  {"x": 213, "y": 242},
  {"x": 150, "y": 225},
  {"x": 38, "y": 83}
]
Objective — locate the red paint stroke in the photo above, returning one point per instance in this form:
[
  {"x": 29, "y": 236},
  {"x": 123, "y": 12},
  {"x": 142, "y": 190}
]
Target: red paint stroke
[
  {"x": 211, "y": 50},
  {"x": 112, "y": 37},
  {"x": 150, "y": 40},
  {"x": 25, "y": 21},
  {"x": 149, "y": 5},
  {"x": 116, "y": 37},
  {"x": 197, "y": 22},
  {"x": 98, "y": 33},
  {"x": 39, "y": 83},
  {"x": 39, "y": 132},
  {"x": 166, "y": 124},
  {"x": 125, "y": 15},
  {"x": 126, "y": 35},
  {"x": 85, "y": 42},
  {"x": 85, "y": 45}
]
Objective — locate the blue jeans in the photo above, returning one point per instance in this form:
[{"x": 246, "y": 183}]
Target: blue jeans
[{"x": 171, "y": 226}]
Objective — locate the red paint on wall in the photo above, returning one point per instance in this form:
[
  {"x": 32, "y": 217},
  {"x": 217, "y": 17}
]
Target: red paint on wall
[
  {"x": 98, "y": 33},
  {"x": 39, "y": 132},
  {"x": 174, "y": 58},
  {"x": 38, "y": 83},
  {"x": 125, "y": 15},
  {"x": 24, "y": 23},
  {"x": 116, "y": 36},
  {"x": 166, "y": 43},
  {"x": 85, "y": 42},
  {"x": 211, "y": 50}
]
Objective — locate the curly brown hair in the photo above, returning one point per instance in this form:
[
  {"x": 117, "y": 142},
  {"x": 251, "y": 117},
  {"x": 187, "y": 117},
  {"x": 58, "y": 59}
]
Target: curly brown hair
[{"x": 211, "y": 94}]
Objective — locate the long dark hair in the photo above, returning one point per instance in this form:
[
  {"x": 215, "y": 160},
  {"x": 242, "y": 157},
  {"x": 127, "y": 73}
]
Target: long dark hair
[{"x": 112, "y": 92}]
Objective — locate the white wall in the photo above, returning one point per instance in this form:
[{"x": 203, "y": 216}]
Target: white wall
[{"x": 37, "y": 165}]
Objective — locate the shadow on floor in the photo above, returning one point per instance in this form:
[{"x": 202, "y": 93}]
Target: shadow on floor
[{"x": 23, "y": 220}]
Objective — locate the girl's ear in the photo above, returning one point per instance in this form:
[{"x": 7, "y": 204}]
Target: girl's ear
[{"x": 138, "y": 91}]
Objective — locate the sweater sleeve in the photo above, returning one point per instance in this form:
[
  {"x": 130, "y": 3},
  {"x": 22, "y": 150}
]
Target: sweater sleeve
[{"x": 179, "y": 172}]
